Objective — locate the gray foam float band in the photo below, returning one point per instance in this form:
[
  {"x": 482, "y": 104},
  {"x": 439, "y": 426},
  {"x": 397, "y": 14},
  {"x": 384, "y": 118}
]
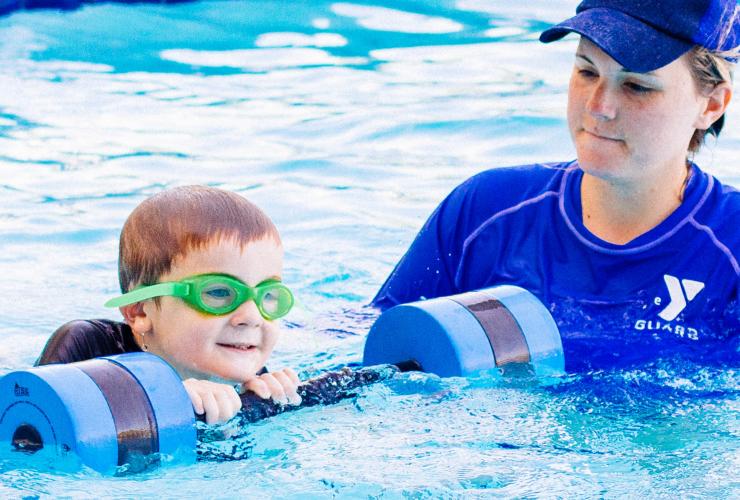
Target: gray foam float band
[
  {"x": 133, "y": 416},
  {"x": 506, "y": 337}
]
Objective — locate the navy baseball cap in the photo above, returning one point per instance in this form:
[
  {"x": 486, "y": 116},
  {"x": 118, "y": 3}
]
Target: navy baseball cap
[{"x": 644, "y": 35}]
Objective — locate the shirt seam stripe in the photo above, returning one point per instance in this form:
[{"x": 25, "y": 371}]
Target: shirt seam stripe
[
  {"x": 647, "y": 246},
  {"x": 509, "y": 210},
  {"x": 721, "y": 246}
]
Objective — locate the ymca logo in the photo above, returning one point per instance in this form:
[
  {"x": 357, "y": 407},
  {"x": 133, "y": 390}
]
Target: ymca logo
[{"x": 681, "y": 293}]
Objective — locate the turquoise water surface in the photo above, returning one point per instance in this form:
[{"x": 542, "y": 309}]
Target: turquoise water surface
[{"x": 347, "y": 123}]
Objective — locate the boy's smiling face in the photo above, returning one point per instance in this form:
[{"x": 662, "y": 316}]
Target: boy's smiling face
[{"x": 232, "y": 347}]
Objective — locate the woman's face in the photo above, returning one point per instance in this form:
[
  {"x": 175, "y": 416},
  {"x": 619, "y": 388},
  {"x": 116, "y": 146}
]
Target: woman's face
[{"x": 631, "y": 126}]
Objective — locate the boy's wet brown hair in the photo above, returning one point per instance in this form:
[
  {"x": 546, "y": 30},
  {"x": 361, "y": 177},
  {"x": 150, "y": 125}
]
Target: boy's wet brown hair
[{"x": 171, "y": 223}]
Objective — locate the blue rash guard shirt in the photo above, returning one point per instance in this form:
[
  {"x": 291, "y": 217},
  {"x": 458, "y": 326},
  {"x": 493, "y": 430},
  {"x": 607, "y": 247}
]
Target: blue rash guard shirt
[{"x": 672, "y": 289}]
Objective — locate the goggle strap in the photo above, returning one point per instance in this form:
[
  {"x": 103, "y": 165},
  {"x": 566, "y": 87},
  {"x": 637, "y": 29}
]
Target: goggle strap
[{"x": 149, "y": 292}]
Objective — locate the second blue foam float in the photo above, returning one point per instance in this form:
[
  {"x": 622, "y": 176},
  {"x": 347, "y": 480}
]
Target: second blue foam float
[{"x": 504, "y": 329}]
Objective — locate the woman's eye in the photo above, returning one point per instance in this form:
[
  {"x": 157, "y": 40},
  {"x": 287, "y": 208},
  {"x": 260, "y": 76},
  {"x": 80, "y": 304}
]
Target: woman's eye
[
  {"x": 636, "y": 87},
  {"x": 587, "y": 73}
]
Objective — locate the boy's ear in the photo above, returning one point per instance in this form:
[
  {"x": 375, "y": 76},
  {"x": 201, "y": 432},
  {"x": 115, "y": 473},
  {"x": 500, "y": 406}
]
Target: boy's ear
[{"x": 136, "y": 318}]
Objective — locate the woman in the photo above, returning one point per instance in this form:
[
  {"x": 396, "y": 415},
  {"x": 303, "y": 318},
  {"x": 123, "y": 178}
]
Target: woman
[{"x": 632, "y": 245}]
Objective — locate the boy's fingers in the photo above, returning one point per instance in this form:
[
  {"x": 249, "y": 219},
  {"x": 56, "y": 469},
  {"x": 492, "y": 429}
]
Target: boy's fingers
[
  {"x": 232, "y": 401},
  {"x": 222, "y": 394},
  {"x": 289, "y": 386},
  {"x": 236, "y": 401},
  {"x": 219, "y": 402},
  {"x": 257, "y": 386},
  {"x": 211, "y": 407},
  {"x": 195, "y": 398},
  {"x": 275, "y": 387},
  {"x": 292, "y": 375}
]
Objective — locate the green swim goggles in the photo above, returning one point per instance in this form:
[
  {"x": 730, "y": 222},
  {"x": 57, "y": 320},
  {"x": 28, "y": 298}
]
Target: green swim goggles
[{"x": 216, "y": 294}]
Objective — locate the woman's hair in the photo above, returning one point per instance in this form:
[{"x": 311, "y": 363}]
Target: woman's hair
[
  {"x": 709, "y": 69},
  {"x": 175, "y": 221}
]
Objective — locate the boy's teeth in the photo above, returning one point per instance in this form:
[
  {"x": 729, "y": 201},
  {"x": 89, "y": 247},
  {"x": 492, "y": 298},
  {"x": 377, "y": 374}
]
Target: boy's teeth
[{"x": 239, "y": 346}]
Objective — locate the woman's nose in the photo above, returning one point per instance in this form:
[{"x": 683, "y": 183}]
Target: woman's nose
[
  {"x": 602, "y": 103},
  {"x": 247, "y": 314}
]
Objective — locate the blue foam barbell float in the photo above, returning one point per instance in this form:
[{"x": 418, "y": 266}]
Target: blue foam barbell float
[
  {"x": 104, "y": 412},
  {"x": 111, "y": 411},
  {"x": 503, "y": 328}
]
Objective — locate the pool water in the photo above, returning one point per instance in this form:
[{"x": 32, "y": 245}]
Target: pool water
[{"x": 347, "y": 122}]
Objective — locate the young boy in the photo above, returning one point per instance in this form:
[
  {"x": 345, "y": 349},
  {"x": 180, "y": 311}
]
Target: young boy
[{"x": 200, "y": 271}]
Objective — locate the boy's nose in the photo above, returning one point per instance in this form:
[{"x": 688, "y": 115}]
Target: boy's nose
[{"x": 247, "y": 314}]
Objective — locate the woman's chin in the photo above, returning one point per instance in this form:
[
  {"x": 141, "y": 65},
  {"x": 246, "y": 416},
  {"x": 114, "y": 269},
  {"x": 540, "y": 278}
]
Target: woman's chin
[{"x": 600, "y": 165}]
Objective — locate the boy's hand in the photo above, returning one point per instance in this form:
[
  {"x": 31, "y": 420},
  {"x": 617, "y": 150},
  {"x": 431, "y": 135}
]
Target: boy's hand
[
  {"x": 219, "y": 402},
  {"x": 280, "y": 386}
]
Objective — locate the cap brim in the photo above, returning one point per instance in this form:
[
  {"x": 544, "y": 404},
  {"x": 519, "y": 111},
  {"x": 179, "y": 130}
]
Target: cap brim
[{"x": 632, "y": 43}]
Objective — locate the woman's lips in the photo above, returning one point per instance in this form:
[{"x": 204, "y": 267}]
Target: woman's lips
[{"x": 602, "y": 137}]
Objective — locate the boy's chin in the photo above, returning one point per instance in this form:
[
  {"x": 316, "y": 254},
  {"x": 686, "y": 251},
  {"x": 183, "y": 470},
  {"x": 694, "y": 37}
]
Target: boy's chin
[
  {"x": 224, "y": 375},
  {"x": 237, "y": 375}
]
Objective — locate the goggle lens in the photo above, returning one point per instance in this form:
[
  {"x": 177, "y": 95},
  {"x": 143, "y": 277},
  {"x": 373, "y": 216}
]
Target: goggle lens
[
  {"x": 275, "y": 301},
  {"x": 218, "y": 295}
]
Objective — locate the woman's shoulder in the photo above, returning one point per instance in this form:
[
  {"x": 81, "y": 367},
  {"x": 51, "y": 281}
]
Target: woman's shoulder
[
  {"x": 524, "y": 177},
  {"x": 500, "y": 188},
  {"x": 721, "y": 205},
  {"x": 730, "y": 196},
  {"x": 79, "y": 340},
  {"x": 716, "y": 216}
]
